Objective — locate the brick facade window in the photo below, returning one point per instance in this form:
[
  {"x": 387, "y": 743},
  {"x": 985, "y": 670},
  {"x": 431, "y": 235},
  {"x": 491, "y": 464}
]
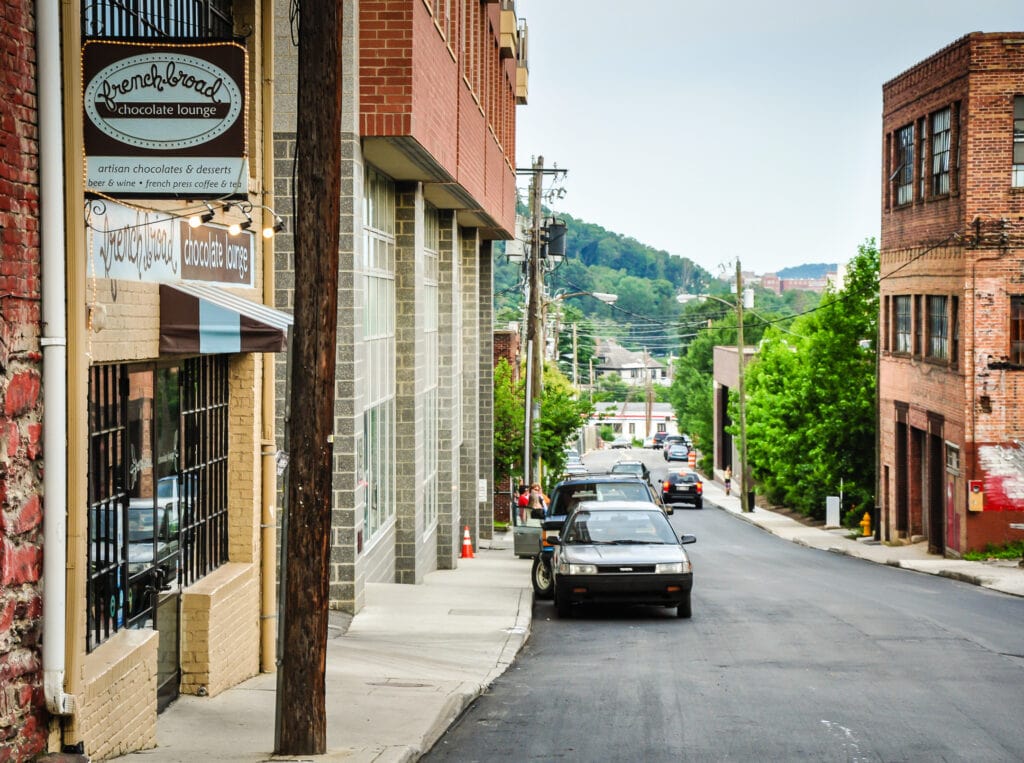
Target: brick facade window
[
  {"x": 1018, "y": 142},
  {"x": 918, "y": 326},
  {"x": 903, "y": 176},
  {"x": 940, "y": 152},
  {"x": 922, "y": 159},
  {"x": 1017, "y": 330},
  {"x": 901, "y": 341},
  {"x": 938, "y": 327}
]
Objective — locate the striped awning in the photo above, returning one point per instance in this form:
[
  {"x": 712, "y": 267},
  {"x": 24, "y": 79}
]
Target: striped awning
[{"x": 205, "y": 319}]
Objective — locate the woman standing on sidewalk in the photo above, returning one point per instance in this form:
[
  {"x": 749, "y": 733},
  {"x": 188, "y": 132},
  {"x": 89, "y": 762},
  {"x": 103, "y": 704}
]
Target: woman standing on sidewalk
[{"x": 728, "y": 479}]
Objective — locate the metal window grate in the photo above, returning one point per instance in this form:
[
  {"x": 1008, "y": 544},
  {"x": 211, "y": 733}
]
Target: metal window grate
[
  {"x": 161, "y": 19},
  {"x": 204, "y": 413},
  {"x": 108, "y": 562}
]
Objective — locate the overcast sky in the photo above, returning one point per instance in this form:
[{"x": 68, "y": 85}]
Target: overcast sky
[{"x": 717, "y": 130}]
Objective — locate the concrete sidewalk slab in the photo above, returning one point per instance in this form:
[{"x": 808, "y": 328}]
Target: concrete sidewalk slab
[{"x": 408, "y": 664}]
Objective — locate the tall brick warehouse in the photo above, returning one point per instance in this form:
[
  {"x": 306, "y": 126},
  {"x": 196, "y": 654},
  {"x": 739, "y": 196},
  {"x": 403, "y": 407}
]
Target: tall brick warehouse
[
  {"x": 951, "y": 385},
  {"x": 22, "y": 717}
]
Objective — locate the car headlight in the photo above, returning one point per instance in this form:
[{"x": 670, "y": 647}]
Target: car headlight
[
  {"x": 673, "y": 568},
  {"x": 564, "y": 568}
]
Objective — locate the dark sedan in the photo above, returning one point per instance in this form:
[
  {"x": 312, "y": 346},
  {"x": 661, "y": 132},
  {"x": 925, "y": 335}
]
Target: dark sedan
[
  {"x": 683, "y": 487},
  {"x": 621, "y": 552}
]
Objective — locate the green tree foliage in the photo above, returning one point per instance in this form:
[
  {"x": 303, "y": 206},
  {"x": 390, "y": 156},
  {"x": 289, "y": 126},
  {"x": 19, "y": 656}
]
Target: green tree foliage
[
  {"x": 811, "y": 399},
  {"x": 509, "y": 419},
  {"x": 561, "y": 416}
]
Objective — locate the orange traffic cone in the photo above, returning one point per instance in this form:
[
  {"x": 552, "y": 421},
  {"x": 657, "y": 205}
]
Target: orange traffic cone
[{"x": 467, "y": 545}]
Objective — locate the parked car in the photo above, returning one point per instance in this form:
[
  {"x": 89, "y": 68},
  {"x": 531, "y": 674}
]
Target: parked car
[
  {"x": 576, "y": 469},
  {"x": 622, "y": 442},
  {"x": 621, "y": 552},
  {"x": 565, "y": 497},
  {"x": 659, "y": 439},
  {"x": 677, "y": 452},
  {"x": 669, "y": 441},
  {"x": 683, "y": 486},
  {"x": 636, "y": 468}
]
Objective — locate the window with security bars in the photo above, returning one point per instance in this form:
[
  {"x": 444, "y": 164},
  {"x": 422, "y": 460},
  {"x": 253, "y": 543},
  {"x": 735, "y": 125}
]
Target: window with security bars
[
  {"x": 941, "y": 135},
  {"x": 1017, "y": 330},
  {"x": 938, "y": 327},
  {"x": 1018, "y": 142},
  {"x": 159, "y": 19},
  {"x": 903, "y": 176},
  {"x": 901, "y": 309},
  {"x": 157, "y": 488}
]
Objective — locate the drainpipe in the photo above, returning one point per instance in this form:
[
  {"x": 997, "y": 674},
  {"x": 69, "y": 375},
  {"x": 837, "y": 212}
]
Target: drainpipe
[
  {"x": 54, "y": 347},
  {"x": 268, "y": 452}
]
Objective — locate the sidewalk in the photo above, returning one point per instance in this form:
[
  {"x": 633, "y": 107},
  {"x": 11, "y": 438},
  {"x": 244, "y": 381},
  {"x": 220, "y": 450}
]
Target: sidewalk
[
  {"x": 401, "y": 672},
  {"x": 999, "y": 575}
]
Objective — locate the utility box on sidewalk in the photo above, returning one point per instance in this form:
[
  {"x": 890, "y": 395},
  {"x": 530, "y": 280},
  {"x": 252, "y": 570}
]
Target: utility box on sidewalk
[{"x": 832, "y": 511}]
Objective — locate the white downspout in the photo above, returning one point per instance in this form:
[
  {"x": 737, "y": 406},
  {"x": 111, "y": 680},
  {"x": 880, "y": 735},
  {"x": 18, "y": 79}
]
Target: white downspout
[{"x": 54, "y": 347}]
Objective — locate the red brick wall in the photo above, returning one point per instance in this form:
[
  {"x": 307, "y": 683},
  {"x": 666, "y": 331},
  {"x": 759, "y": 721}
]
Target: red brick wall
[
  {"x": 22, "y": 715},
  {"x": 982, "y": 408},
  {"x": 413, "y": 83}
]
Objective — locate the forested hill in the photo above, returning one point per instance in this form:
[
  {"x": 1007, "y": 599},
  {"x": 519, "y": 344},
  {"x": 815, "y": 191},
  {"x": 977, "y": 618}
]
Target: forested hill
[{"x": 645, "y": 279}]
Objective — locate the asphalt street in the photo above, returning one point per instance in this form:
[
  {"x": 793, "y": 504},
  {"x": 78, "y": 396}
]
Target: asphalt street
[{"x": 792, "y": 653}]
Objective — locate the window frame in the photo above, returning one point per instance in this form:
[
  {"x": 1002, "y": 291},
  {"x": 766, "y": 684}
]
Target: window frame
[
  {"x": 941, "y": 145},
  {"x": 903, "y": 175},
  {"x": 937, "y": 327},
  {"x": 1016, "y": 332},
  {"x": 1017, "y": 174},
  {"x": 902, "y": 324}
]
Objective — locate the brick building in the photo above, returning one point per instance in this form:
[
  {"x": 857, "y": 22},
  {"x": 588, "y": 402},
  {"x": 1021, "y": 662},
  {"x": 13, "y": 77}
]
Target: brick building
[
  {"x": 951, "y": 384},
  {"x": 506, "y": 347},
  {"x": 428, "y": 182},
  {"x": 23, "y": 720},
  {"x": 149, "y": 303}
]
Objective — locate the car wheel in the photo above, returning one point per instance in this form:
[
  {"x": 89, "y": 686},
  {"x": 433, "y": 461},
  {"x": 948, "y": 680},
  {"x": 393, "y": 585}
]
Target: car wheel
[
  {"x": 684, "y": 610},
  {"x": 541, "y": 578}
]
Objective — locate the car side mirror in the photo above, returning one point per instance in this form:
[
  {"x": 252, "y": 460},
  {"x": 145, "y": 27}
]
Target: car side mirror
[
  {"x": 684, "y": 539},
  {"x": 553, "y": 540},
  {"x": 536, "y": 513}
]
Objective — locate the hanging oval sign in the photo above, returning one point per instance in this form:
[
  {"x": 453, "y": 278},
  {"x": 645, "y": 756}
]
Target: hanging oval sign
[{"x": 163, "y": 101}]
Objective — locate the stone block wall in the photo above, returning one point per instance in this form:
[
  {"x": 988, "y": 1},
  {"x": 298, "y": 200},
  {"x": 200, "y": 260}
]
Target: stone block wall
[{"x": 23, "y": 718}]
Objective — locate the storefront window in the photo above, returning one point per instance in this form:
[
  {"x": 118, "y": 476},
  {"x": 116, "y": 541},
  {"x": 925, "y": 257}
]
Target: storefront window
[{"x": 157, "y": 511}]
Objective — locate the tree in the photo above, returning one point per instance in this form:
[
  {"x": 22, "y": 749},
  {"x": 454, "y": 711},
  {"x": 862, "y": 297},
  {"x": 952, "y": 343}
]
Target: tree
[
  {"x": 561, "y": 416},
  {"x": 509, "y": 420},
  {"x": 811, "y": 399}
]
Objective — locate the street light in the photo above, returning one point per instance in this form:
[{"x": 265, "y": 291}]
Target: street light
[{"x": 746, "y": 301}]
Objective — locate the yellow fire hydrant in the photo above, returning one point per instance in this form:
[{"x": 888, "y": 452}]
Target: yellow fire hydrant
[{"x": 865, "y": 525}]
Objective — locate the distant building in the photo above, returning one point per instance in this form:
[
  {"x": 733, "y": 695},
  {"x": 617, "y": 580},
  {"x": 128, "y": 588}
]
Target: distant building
[
  {"x": 951, "y": 298},
  {"x": 773, "y": 282},
  {"x": 633, "y": 367},
  {"x": 631, "y": 419}
]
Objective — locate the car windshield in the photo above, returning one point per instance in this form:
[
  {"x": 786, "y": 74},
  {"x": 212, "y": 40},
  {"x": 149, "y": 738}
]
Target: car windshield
[
  {"x": 688, "y": 478},
  {"x": 568, "y": 497},
  {"x": 628, "y": 469},
  {"x": 619, "y": 528}
]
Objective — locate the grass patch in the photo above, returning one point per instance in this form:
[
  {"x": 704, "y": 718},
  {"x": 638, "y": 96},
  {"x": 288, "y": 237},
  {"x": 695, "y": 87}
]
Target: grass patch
[{"x": 1013, "y": 550}]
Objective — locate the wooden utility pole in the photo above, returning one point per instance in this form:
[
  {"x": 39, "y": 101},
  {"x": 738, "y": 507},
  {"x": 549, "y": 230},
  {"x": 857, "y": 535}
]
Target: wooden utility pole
[
  {"x": 649, "y": 395},
  {"x": 534, "y": 319},
  {"x": 745, "y": 494},
  {"x": 301, "y": 698}
]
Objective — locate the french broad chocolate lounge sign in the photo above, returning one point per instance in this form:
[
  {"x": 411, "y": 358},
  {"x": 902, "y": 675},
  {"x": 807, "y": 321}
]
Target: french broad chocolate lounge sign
[{"x": 165, "y": 120}]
